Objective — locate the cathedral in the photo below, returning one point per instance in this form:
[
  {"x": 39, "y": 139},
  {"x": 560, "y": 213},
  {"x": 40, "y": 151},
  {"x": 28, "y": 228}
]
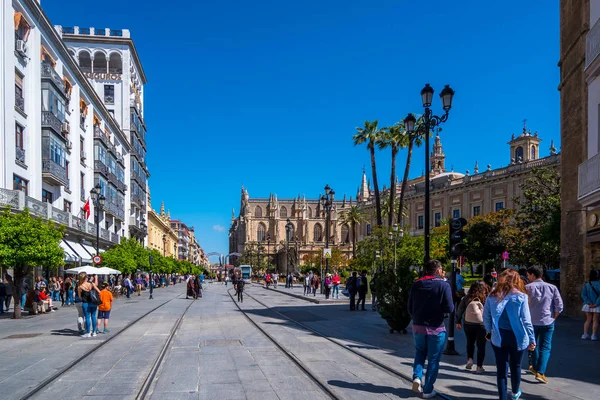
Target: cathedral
[{"x": 261, "y": 221}]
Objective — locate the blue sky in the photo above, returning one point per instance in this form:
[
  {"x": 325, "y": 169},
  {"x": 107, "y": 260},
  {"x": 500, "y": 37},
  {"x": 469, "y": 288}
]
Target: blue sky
[{"x": 268, "y": 93}]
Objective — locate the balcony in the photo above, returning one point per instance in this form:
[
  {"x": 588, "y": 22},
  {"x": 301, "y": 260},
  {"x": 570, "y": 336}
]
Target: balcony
[
  {"x": 588, "y": 193},
  {"x": 54, "y": 174},
  {"x": 20, "y": 154},
  {"x": 137, "y": 199},
  {"x": 49, "y": 120},
  {"x": 100, "y": 168},
  {"x": 48, "y": 73},
  {"x": 20, "y": 102},
  {"x": 98, "y": 134}
]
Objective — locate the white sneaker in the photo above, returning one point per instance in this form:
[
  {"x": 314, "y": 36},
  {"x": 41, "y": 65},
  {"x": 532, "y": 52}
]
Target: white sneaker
[
  {"x": 416, "y": 385},
  {"x": 429, "y": 395},
  {"x": 469, "y": 365},
  {"x": 86, "y": 335},
  {"x": 585, "y": 336},
  {"x": 94, "y": 334},
  {"x": 80, "y": 323},
  {"x": 594, "y": 337}
]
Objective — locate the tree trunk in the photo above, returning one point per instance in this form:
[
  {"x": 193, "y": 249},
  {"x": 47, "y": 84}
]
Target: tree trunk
[
  {"x": 18, "y": 280},
  {"x": 375, "y": 185},
  {"x": 392, "y": 185},
  {"x": 405, "y": 182}
]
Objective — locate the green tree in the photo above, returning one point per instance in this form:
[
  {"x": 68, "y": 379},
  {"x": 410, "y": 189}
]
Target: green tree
[
  {"x": 26, "y": 242},
  {"x": 369, "y": 134},
  {"x": 484, "y": 241},
  {"x": 393, "y": 137},
  {"x": 409, "y": 141},
  {"x": 354, "y": 217}
]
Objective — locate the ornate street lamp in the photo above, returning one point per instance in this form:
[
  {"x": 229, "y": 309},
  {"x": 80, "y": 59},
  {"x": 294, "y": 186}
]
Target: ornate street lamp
[
  {"x": 288, "y": 228},
  {"x": 431, "y": 121},
  {"x": 98, "y": 200},
  {"x": 327, "y": 203}
]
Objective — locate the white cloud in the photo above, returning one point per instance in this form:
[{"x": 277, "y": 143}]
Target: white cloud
[{"x": 219, "y": 228}]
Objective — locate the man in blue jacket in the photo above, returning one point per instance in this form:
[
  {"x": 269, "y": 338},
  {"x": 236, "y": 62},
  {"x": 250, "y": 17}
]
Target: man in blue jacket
[{"x": 429, "y": 300}]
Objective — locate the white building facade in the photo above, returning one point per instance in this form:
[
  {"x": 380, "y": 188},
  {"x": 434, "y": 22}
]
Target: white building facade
[{"x": 63, "y": 134}]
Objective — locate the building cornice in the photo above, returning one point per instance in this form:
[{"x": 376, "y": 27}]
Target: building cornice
[{"x": 51, "y": 35}]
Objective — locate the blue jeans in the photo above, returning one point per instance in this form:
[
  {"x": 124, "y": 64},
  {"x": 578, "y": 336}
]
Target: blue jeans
[
  {"x": 70, "y": 299},
  {"x": 91, "y": 318},
  {"x": 508, "y": 355},
  {"x": 335, "y": 291},
  {"x": 541, "y": 354},
  {"x": 23, "y": 298},
  {"x": 430, "y": 347}
]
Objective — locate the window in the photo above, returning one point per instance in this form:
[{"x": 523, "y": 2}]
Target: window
[
  {"x": 112, "y": 112},
  {"x": 20, "y": 184},
  {"x": 519, "y": 154},
  {"x": 533, "y": 152},
  {"x": 283, "y": 212},
  {"x": 100, "y": 153},
  {"x": 476, "y": 211},
  {"x": 100, "y": 64},
  {"x": 46, "y": 196},
  {"x": 420, "y": 222},
  {"x": 345, "y": 234},
  {"x": 258, "y": 212},
  {"x": 19, "y": 100},
  {"x": 436, "y": 218},
  {"x": 318, "y": 233},
  {"x": 19, "y": 136},
  {"x": 499, "y": 206},
  {"x": 85, "y": 61},
  {"x": 58, "y": 152},
  {"x": 82, "y": 185},
  {"x": 261, "y": 233},
  {"x": 309, "y": 212},
  {"x": 109, "y": 94},
  {"x": 53, "y": 102},
  {"x": 456, "y": 213},
  {"x": 67, "y": 168},
  {"x": 81, "y": 144},
  {"x": 68, "y": 206}
]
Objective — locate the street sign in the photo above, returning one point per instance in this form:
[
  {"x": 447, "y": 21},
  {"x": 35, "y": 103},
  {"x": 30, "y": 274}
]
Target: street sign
[
  {"x": 327, "y": 253},
  {"x": 97, "y": 259},
  {"x": 505, "y": 255}
]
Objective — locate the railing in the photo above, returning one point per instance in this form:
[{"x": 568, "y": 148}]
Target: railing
[
  {"x": 20, "y": 154},
  {"x": 98, "y": 134},
  {"x": 589, "y": 177},
  {"x": 68, "y": 30},
  {"x": 49, "y": 72},
  {"x": 50, "y": 120},
  {"x": 116, "y": 32},
  {"x": 592, "y": 44},
  {"x": 84, "y": 31},
  {"x": 86, "y": 69},
  {"x": 99, "y": 32},
  {"x": 58, "y": 173},
  {"x": 19, "y": 102},
  {"x": 100, "y": 167}
]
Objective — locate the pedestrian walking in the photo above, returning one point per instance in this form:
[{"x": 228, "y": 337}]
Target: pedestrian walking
[
  {"x": 328, "y": 286},
  {"x": 104, "y": 309},
  {"x": 336, "y": 286},
  {"x": 430, "y": 299},
  {"x": 10, "y": 291},
  {"x": 240, "y": 290},
  {"x": 307, "y": 279},
  {"x": 351, "y": 288},
  {"x": 3, "y": 295},
  {"x": 275, "y": 279},
  {"x": 138, "y": 285},
  {"x": 591, "y": 305},
  {"x": 373, "y": 294},
  {"x": 315, "y": 284},
  {"x": 89, "y": 308},
  {"x": 128, "y": 286},
  {"x": 362, "y": 288},
  {"x": 545, "y": 305},
  {"x": 460, "y": 283},
  {"x": 507, "y": 321},
  {"x": 471, "y": 307}
]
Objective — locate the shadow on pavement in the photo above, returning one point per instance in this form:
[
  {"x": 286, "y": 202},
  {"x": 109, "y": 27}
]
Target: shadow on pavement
[
  {"x": 65, "y": 332},
  {"x": 369, "y": 387}
]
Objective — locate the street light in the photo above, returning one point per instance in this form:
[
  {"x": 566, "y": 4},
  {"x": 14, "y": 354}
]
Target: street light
[
  {"x": 268, "y": 250},
  {"x": 431, "y": 121},
  {"x": 327, "y": 202},
  {"x": 98, "y": 199},
  {"x": 288, "y": 228}
]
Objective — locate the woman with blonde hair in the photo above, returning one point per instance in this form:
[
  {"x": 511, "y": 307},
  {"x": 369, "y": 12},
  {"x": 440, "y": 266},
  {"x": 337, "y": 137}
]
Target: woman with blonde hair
[
  {"x": 508, "y": 325},
  {"x": 89, "y": 308}
]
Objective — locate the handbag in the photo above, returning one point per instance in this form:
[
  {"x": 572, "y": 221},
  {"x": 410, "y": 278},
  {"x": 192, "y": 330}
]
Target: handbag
[
  {"x": 95, "y": 298},
  {"x": 346, "y": 293}
]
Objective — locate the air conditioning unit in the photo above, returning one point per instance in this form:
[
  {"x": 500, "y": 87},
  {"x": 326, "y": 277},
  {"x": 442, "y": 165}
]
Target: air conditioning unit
[
  {"x": 69, "y": 145},
  {"x": 21, "y": 47},
  {"x": 65, "y": 127},
  {"x": 82, "y": 155}
]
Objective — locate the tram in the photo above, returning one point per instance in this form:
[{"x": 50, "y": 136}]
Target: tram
[{"x": 246, "y": 271}]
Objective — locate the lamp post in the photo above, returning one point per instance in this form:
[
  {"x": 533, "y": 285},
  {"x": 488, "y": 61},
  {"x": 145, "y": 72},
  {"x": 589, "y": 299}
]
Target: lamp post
[
  {"x": 143, "y": 229},
  {"x": 431, "y": 121},
  {"x": 98, "y": 199},
  {"x": 327, "y": 202},
  {"x": 164, "y": 245},
  {"x": 288, "y": 228},
  {"x": 268, "y": 251},
  {"x": 150, "y": 277}
]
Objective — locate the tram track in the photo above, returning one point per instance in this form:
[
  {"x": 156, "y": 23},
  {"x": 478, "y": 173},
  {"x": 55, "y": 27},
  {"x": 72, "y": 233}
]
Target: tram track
[
  {"x": 368, "y": 359},
  {"x": 149, "y": 379}
]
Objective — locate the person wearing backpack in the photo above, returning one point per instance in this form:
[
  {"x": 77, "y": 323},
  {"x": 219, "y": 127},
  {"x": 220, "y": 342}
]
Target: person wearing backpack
[
  {"x": 591, "y": 305},
  {"x": 351, "y": 288},
  {"x": 362, "y": 287},
  {"x": 471, "y": 307},
  {"x": 240, "y": 290}
]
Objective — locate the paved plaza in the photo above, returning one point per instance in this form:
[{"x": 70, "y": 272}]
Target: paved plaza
[{"x": 218, "y": 353}]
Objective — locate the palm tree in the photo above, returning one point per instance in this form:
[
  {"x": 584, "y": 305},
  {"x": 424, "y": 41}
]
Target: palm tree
[
  {"x": 415, "y": 137},
  {"x": 394, "y": 137},
  {"x": 354, "y": 216},
  {"x": 369, "y": 134}
]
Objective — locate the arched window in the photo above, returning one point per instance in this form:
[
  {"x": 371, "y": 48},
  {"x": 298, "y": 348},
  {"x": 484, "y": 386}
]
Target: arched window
[
  {"x": 533, "y": 152},
  {"x": 345, "y": 234},
  {"x": 318, "y": 233},
  {"x": 85, "y": 62},
  {"x": 72, "y": 53},
  {"x": 115, "y": 65},
  {"x": 261, "y": 232},
  {"x": 519, "y": 154},
  {"x": 283, "y": 212},
  {"x": 258, "y": 212},
  {"x": 100, "y": 63},
  {"x": 291, "y": 233},
  {"x": 309, "y": 212}
]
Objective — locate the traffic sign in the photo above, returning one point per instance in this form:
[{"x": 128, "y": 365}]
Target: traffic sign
[
  {"x": 327, "y": 253},
  {"x": 505, "y": 255},
  {"x": 97, "y": 259}
]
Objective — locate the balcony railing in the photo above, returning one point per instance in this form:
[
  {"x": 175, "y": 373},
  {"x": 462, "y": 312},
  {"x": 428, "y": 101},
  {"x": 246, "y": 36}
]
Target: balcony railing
[
  {"x": 592, "y": 44},
  {"x": 19, "y": 102},
  {"x": 51, "y": 121},
  {"x": 54, "y": 173},
  {"x": 100, "y": 167},
  {"x": 589, "y": 177},
  {"x": 20, "y": 154},
  {"x": 49, "y": 72}
]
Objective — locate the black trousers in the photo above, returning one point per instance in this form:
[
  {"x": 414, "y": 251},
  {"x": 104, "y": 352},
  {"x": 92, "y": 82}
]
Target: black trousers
[
  {"x": 240, "y": 294},
  {"x": 352, "y": 301},
  {"x": 361, "y": 298},
  {"x": 475, "y": 334}
]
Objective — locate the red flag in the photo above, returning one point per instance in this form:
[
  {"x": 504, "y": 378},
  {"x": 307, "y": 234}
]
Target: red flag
[{"x": 86, "y": 208}]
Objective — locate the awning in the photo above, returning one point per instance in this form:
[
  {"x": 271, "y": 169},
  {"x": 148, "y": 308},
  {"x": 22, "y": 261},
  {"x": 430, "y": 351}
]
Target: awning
[
  {"x": 70, "y": 254},
  {"x": 90, "y": 249},
  {"x": 45, "y": 55},
  {"x": 85, "y": 257}
]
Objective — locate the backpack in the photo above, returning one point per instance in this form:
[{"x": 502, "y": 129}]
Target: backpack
[
  {"x": 351, "y": 285},
  {"x": 474, "y": 312}
]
